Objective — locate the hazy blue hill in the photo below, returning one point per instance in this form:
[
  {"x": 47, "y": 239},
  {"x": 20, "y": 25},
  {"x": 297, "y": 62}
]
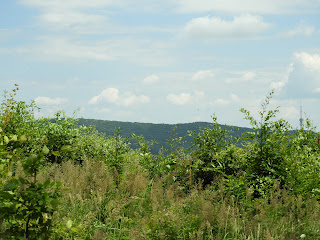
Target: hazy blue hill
[{"x": 158, "y": 132}]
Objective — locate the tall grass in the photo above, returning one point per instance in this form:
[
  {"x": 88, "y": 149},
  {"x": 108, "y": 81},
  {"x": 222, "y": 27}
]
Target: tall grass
[{"x": 95, "y": 206}]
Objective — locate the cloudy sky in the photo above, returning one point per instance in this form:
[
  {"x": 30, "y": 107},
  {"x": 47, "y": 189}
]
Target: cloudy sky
[{"x": 167, "y": 61}]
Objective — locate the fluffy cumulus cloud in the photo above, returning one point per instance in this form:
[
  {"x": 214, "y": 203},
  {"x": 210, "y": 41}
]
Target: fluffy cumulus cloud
[
  {"x": 151, "y": 79},
  {"x": 50, "y": 101},
  {"x": 303, "y": 80},
  {"x": 309, "y": 61},
  {"x": 185, "y": 98},
  {"x": 249, "y": 6},
  {"x": 113, "y": 96},
  {"x": 243, "y": 26}
]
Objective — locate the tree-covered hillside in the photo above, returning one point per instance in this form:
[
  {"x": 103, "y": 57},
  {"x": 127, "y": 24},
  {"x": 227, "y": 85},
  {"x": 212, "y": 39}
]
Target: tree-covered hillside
[{"x": 160, "y": 133}]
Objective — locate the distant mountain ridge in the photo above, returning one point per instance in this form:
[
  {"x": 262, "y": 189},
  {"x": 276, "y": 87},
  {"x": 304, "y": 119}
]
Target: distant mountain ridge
[{"x": 159, "y": 132}]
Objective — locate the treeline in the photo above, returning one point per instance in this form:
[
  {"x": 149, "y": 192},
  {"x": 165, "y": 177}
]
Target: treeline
[{"x": 60, "y": 179}]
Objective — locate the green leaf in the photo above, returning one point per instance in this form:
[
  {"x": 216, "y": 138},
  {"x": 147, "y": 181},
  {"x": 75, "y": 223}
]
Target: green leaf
[
  {"x": 56, "y": 153},
  {"x": 45, "y": 150},
  {"x": 66, "y": 148},
  {"x": 14, "y": 138},
  {"x": 6, "y": 139}
]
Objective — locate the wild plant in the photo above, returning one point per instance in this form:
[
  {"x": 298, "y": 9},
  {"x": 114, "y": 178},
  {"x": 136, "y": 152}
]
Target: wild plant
[
  {"x": 267, "y": 147},
  {"x": 26, "y": 206}
]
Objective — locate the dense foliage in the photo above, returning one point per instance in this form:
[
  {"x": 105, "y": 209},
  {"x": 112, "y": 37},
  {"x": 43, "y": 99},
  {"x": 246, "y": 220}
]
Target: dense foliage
[{"x": 63, "y": 180}]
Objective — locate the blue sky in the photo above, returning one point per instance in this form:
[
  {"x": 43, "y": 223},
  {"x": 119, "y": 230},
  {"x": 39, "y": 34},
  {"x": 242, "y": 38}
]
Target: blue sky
[{"x": 168, "y": 61}]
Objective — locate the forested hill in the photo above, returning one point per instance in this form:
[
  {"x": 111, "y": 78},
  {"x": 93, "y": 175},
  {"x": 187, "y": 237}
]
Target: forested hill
[{"x": 161, "y": 133}]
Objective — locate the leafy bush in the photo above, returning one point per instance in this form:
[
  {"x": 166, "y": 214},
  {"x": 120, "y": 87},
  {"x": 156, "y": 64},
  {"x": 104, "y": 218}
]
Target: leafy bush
[
  {"x": 208, "y": 143},
  {"x": 26, "y": 206},
  {"x": 303, "y": 164},
  {"x": 267, "y": 149}
]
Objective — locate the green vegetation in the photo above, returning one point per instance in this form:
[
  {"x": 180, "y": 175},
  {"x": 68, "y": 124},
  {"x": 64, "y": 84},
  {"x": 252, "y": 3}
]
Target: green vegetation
[
  {"x": 62, "y": 180},
  {"x": 159, "y": 133}
]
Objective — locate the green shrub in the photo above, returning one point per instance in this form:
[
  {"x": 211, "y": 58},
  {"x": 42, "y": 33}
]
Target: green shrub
[
  {"x": 267, "y": 149},
  {"x": 26, "y": 206},
  {"x": 208, "y": 143}
]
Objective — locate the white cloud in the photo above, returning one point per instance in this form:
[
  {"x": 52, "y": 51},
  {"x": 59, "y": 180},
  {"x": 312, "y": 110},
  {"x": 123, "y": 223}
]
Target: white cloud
[
  {"x": 249, "y": 6},
  {"x": 113, "y": 96},
  {"x": 179, "y": 99},
  {"x": 87, "y": 17},
  {"x": 289, "y": 112},
  {"x": 131, "y": 99},
  {"x": 75, "y": 21},
  {"x": 221, "y": 101},
  {"x": 77, "y": 16},
  {"x": 149, "y": 80},
  {"x": 244, "y": 26},
  {"x": 65, "y": 49},
  {"x": 302, "y": 29},
  {"x": 138, "y": 5},
  {"x": 277, "y": 85},
  {"x": 185, "y": 98},
  {"x": 50, "y": 101},
  {"x": 110, "y": 95},
  {"x": 203, "y": 75},
  {"x": 248, "y": 76},
  {"x": 242, "y": 76},
  {"x": 303, "y": 80},
  {"x": 58, "y": 49},
  {"x": 309, "y": 61},
  {"x": 70, "y": 4},
  {"x": 233, "y": 98}
]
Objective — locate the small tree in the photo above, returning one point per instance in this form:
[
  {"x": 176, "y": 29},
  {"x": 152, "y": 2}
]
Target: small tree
[
  {"x": 267, "y": 148},
  {"x": 208, "y": 142}
]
